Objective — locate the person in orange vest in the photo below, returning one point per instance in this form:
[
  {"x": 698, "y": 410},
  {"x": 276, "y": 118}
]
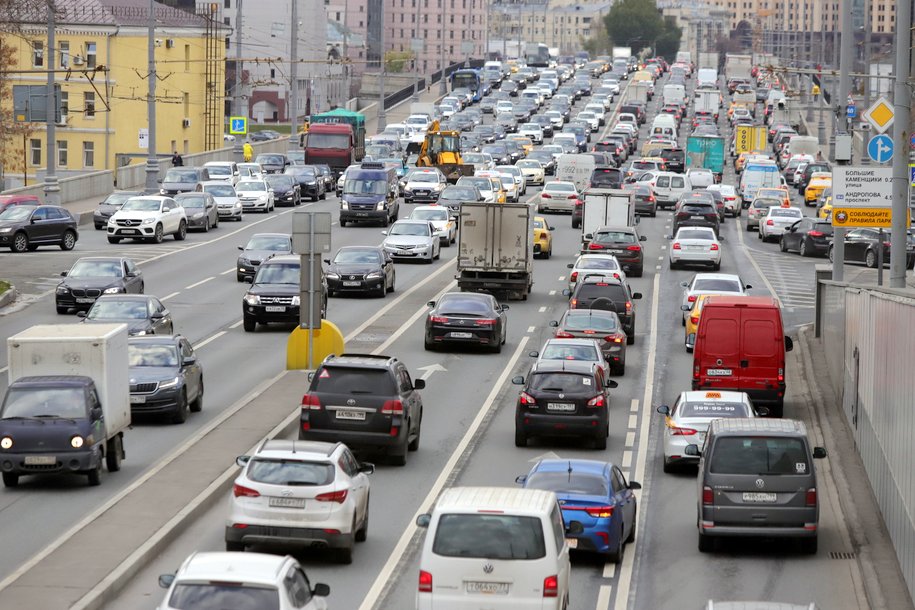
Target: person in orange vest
[{"x": 249, "y": 152}]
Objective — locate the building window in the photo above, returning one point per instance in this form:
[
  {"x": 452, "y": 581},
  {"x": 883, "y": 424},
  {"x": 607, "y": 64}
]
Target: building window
[
  {"x": 64, "y": 49},
  {"x": 88, "y": 154},
  {"x": 62, "y": 153},
  {"x": 90, "y": 55},
  {"x": 272, "y": 72},
  {"x": 89, "y": 104},
  {"x": 228, "y": 4},
  {"x": 37, "y": 54},
  {"x": 64, "y": 105},
  {"x": 187, "y": 104},
  {"x": 35, "y": 148}
]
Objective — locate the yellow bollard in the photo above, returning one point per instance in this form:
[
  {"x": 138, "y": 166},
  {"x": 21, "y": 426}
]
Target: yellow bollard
[{"x": 327, "y": 340}]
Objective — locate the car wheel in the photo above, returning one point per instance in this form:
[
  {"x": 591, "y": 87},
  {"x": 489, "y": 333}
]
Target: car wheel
[
  {"x": 630, "y": 339},
  {"x": 206, "y": 226},
  {"x": 706, "y": 543},
  {"x": 802, "y": 250},
  {"x": 809, "y": 546},
  {"x": 182, "y": 232},
  {"x": 520, "y": 438},
  {"x": 345, "y": 555},
  {"x": 197, "y": 405},
  {"x": 382, "y": 290},
  {"x": 668, "y": 465},
  {"x": 235, "y": 547},
  {"x": 113, "y": 453},
  {"x": 68, "y": 241},
  {"x": 782, "y": 245},
  {"x": 870, "y": 259},
  {"x": 250, "y": 323},
  {"x": 429, "y": 346},
  {"x": 181, "y": 409},
  {"x": 10, "y": 479},
  {"x": 393, "y": 279},
  {"x": 399, "y": 458},
  {"x": 414, "y": 444},
  {"x": 716, "y": 266},
  {"x": 363, "y": 532},
  {"x": 159, "y": 235},
  {"x": 617, "y": 556},
  {"x": 342, "y": 223},
  {"x": 748, "y": 227},
  {"x": 600, "y": 441},
  {"x": 324, "y": 195},
  {"x": 99, "y": 227},
  {"x": 95, "y": 475},
  {"x": 829, "y": 254},
  {"x": 759, "y": 234},
  {"x": 638, "y": 272},
  {"x": 20, "y": 243}
]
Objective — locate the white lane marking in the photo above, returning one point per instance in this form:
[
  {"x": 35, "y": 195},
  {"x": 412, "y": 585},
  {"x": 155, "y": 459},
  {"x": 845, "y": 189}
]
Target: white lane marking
[
  {"x": 411, "y": 320},
  {"x": 609, "y": 570},
  {"x": 758, "y": 269},
  {"x": 169, "y": 296},
  {"x": 663, "y": 247},
  {"x": 660, "y": 258},
  {"x": 237, "y": 324},
  {"x": 562, "y": 278},
  {"x": 531, "y": 329},
  {"x": 627, "y": 459},
  {"x": 195, "y": 284},
  {"x": 227, "y": 271},
  {"x": 633, "y": 421},
  {"x": 603, "y": 597},
  {"x": 210, "y": 339},
  {"x": 657, "y": 267},
  {"x": 387, "y": 571},
  {"x": 630, "y": 438},
  {"x": 552, "y": 292},
  {"x": 542, "y": 309},
  {"x": 634, "y": 405}
]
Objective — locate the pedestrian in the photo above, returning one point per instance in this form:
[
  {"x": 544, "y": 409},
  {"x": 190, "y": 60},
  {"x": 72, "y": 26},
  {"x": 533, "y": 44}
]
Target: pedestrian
[
  {"x": 177, "y": 161},
  {"x": 249, "y": 152},
  {"x": 819, "y": 155}
]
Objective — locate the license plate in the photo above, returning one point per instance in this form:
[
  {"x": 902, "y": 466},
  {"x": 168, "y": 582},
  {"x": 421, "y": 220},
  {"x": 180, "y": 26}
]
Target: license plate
[
  {"x": 759, "y": 497},
  {"x": 487, "y": 588},
  {"x": 697, "y": 217},
  {"x": 137, "y": 400},
  {"x": 350, "y": 414},
  {"x": 129, "y": 231},
  {"x": 352, "y": 283},
  {"x": 40, "y": 460},
  {"x": 85, "y": 300},
  {"x": 572, "y": 542},
  {"x": 362, "y": 213},
  {"x": 461, "y": 335},
  {"x": 275, "y": 308},
  {"x": 718, "y": 372},
  {"x": 559, "y": 406},
  {"x": 287, "y": 502}
]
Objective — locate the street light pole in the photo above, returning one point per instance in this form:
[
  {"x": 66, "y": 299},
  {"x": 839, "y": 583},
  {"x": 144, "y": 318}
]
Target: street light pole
[
  {"x": 152, "y": 161},
  {"x": 51, "y": 187},
  {"x": 382, "y": 117},
  {"x": 238, "y": 152},
  {"x": 294, "y": 71},
  {"x": 443, "y": 86},
  {"x": 902, "y": 101}
]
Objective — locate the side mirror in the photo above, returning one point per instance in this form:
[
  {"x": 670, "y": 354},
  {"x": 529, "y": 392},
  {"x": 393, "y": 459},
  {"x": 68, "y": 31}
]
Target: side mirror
[
  {"x": 166, "y": 580},
  {"x": 81, "y": 314},
  {"x": 747, "y": 287},
  {"x": 574, "y": 528},
  {"x": 789, "y": 344},
  {"x": 633, "y": 485},
  {"x": 423, "y": 520},
  {"x": 320, "y": 590},
  {"x": 419, "y": 384},
  {"x": 311, "y": 376},
  {"x": 158, "y": 315},
  {"x": 430, "y": 304},
  {"x": 566, "y": 292},
  {"x": 327, "y": 261},
  {"x": 611, "y": 384},
  {"x": 692, "y": 450},
  {"x": 63, "y": 273},
  {"x": 643, "y": 238},
  {"x": 670, "y": 237},
  {"x": 819, "y": 453},
  {"x": 189, "y": 361},
  {"x": 554, "y": 324},
  {"x": 367, "y": 468},
  {"x": 663, "y": 410},
  {"x": 249, "y": 279},
  {"x": 762, "y": 411},
  {"x": 519, "y": 380},
  {"x": 242, "y": 460},
  {"x": 96, "y": 413},
  {"x": 521, "y": 480},
  {"x": 684, "y": 284},
  {"x": 686, "y": 308},
  {"x": 505, "y": 307},
  {"x": 589, "y": 236},
  {"x": 552, "y": 228},
  {"x": 636, "y": 296},
  {"x": 384, "y": 232},
  {"x": 241, "y": 248},
  {"x": 570, "y": 266}
]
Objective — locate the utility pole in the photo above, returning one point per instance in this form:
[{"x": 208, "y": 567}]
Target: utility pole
[
  {"x": 240, "y": 110},
  {"x": 382, "y": 117},
  {"x": 416, "y": 51},
  {"x": 443, "y": 86},
  {"x": 51, "y": 188},
  {"x": 902, "y": 102},
  {"x": 294, "y": 72},
  {"x": 152, "y": 160},
  {"x": 846, "y": 58},
  {"x": 865, "y": 159}
]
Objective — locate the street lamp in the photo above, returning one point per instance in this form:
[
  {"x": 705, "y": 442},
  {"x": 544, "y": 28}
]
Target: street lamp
[{"x": 443, "y": 86}]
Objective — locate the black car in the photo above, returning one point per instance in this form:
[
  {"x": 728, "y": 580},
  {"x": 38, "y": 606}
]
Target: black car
[
  {"x": 310, "y": 183},
  {"x": 454, "y": 195},
  {"x": 809, "y": 236},
  {"x": 675, "y": 158},
  {"x": 259, "y": 248},
  {"x": 365, "y": 401},
  {"x": 564, "y": 398},
  {"x": 499, "y": 153},
  {"x": 165, "y": 377},
  {"x": 645, "y": 201},
  {"x": 91, "y": 277},
  {"x": 468, "y": 318},
  {"x": 25, "y": 228},
  {"x": 623, "y": 243},
  {"x": 608, "y": 293},
  {"x": 324, "y": 170},
  {"x": 695, "y": 213},
  {"x": 602, "y": 326},
  {"x": 812, "y": 168},
  {"x": 606, "y": 178},
  {"x": 362, "y": 269},
  {"x": 274, "y": 294},
  {"x": 143, "y": 314},
  {"x": 110, "y": 205},
  {"x": 863, "y": 246},
  {"x": 273, "y": 163},
  {"x": 286, "y": 190}
]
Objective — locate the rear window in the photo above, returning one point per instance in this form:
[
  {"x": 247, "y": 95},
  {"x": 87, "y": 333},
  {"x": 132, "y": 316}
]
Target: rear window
[
  {"x": 562, "y": 350},
  {"x": 614, "y": 237},
  {"x": 574, "y": 483},
  {"x": 713, "y": 409},
  {"x": 614, "y": 292},
  {"x": 561, "y": 382},
  {"x": 345, "y": 380},
  {"x": 785, "y": 213},
  {"x": 489, "y": 536},
  {"x": 697, "y": 208},
  {"x": 217, "y": 596},
  {"x": 290, "y": 472},
  {"x": 693, "y": 234},
  {"x": 759, "y": 455},
  {"x": 716, "y": 285},
  {"x": 585, "y": 321}
]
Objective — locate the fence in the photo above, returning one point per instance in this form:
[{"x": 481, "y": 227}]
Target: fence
[{"x": 407, "y": 92}]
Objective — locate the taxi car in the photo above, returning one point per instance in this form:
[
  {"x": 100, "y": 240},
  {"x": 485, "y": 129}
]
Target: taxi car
[
  {"x": 818, "y": 182},
  {"x": 776, "y": 192},
  {"x": 687, "y": 421},
  {"x": 692, "y": 320},
  {"x": 543, "y": 237},
  {"x": 526, "y": 143},
  {"x": 825, "y": 210}
]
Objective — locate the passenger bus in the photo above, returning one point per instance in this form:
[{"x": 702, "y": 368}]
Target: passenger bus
[
  {"x": 468, "y": 79},
  {"x": 537, "y": 55}
]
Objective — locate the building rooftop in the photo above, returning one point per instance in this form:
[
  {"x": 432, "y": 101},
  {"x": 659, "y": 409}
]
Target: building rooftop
[{"x": 114, "y": 13}]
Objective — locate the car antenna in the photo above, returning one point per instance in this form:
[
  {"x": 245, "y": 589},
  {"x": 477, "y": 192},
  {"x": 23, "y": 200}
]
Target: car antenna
[
  {"x": 293, "y": 446},
  {"x": 570, "y": 471}
]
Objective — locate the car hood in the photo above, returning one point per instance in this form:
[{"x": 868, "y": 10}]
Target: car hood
[
  {"x": 134, "y": 215},
  {"x": 226, "y": 200},
  {"x": 407, "y": 240},
  {"x": 274, "y": 289},
  {"x": 12, "y": 223},
  {"x": 253, "y": 195},
  {"x": 421, "y": 185},
  {"x": 145, "y": 374},
  {"x": 259, "y": 255},
  {"x": 100, "y": 283},
  {"x": 133, "y": 325},
  {"x": 279, "y": 190},
  {"x": 440, "y": 225},
  {"x": 353, "y": 268}
]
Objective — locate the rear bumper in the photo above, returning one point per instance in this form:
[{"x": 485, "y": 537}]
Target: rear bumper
[
  {"x": 563, "y": 425},
  {"x": 288, "y": 536},
  {"x": 709, "y": 528},
  {"x": 353, "y": 439}
]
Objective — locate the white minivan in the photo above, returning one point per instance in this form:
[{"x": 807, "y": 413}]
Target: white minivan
[{"x": 494, "y": 547}]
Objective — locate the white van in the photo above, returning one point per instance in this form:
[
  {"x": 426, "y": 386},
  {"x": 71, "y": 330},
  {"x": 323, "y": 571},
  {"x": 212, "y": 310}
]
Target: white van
[
  {"x": 664, "y": 125},
  {"x": 667, "y": 186},
  {"x": 707, "y": 77},
  {"x": 494, "y": 547}
]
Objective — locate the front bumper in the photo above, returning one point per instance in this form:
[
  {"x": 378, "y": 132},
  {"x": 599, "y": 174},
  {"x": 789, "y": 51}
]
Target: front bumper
[
  {"x": 136, "y": 231},
  {"x": 229, "y": 211},
  {"x": 100, "y": 220},
  {"x": 361, "y": 285},
  {"x": 64, "y": 462},
  {"x": 357, "y": 215},
  {"x": 423, "y": 195},
  {"x": 289, "y": 315},
  {"x": 197, "y": 223},
  {"x": 415, "y": 253},
  {"x": 259, "y": 204},
  {"x": 162, "y": 401}
]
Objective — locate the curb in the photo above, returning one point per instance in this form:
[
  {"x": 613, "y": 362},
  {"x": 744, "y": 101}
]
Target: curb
[{"x": 9, "y": 296}]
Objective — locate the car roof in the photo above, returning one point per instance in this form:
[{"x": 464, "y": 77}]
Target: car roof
[
  {"x": 584, "y": 342},
  {"x": 558, "y": 465},
  {"x": 488, "y": 499},
  {"x": 223, "y": 182},
  {"x": 718, "y": 276},
  {"x": 762, "y": 425},
  {"x": 282, "y": 259},
  {"x": 622, "y": 228},
  {"x": 707, "y": 395},
  {"x": 258, "y": 568},
  {"x": 576, "y": 367},
  {"x": 286, "y": 235},
  {"x": 297, "y": 450},
  {"x": 731, "y": 300}
]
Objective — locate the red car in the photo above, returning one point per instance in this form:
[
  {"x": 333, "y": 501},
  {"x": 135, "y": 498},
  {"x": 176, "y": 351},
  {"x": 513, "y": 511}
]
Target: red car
[{"x": 8, "y": 201}]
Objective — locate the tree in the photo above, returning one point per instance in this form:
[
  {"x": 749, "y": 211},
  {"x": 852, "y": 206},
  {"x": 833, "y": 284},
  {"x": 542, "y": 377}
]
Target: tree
[
  {"x": 599, "y": 42},
  {"x": 668, "y": 42},
  {"x": 634, "y": 22},
  {"x": 395, "y": 61}
]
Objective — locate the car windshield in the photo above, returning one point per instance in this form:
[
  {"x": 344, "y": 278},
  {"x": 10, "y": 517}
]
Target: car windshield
[
  {"x": 489, "y": 536},
  {"x": 713, "y": 409},
  {"x": 364, "y": 187},
  {"x": 604, "y": 262},
  {"x": 561, "y": 350},
  {"x": 357, "y": 256},
  {"x": 459, "y": 193},
  {"x": 96, "y": 269},
  {"x": 113, "y": 309},
  {"x": 140, "y": 205},
  {"x": 614, "y": 237},
  {"x": 278, "y": 274},
  {"x": 584, "y": 320},
  {"x": 192, "y": 201},
  {"x": 269, "y": 160},
  {"x": 464, "y": 306},
  {"x": 345, "y": 380},
  {"x": 219, "y": 170},
  {"x": 585, "y": 484},
  {"x": 269, "y": 242},
  {"x": 289, "y": 472},
  {"x": 759, "y": 455},
  {"x": 44, "y": 402},
  {"x": 224, "y": 190},
  {"x": 716, "y": 285},
  {"x": 410, "y": 228},
  {"x": 695, "y": 234},
  {"x": 118, "y": 198},
  {"x": 441, "y": 214},
  {"x": 280, "y": 181},
  {"x": 222, "y": 595},
  {"x": 181, "y": 175},
  {"x": 424, "y": 177},
  {"x": 249, "y": 187},
  {"x": 152, "y": 355}
]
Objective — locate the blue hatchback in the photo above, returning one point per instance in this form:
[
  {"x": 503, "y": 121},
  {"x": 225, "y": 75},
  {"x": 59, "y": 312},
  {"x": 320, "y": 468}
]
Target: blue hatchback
[{"x": 595, "y": 494}]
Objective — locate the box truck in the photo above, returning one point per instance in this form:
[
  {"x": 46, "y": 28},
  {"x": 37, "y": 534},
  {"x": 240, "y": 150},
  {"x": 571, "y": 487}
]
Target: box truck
[
  {"x": 496, "y": 248},
  {"x": 606, "y": 207}
]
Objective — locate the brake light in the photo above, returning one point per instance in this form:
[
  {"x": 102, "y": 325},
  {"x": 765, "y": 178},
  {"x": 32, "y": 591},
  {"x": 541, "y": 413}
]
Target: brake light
[
  {"x": 815, "y": 234},
  {"x": 812, "y": 496},
  {"x": 392, "y": 407},
  {"x": 564, "y": 335},
  {"x": 425, "y": 582},
  {"x": 545, "y": 196},
  {"x": 572, "y": 197},
  {"x": 628, "y": 306},
  {"x": 574, "y": 276},
  {"x": 676, "y": 246},
  {"x": 312, "y": 402},
  {"x": 691, "y": 298},
  {"x": 694, "y": 319},
  {"x": 600, "y": 512},
  {"x": 613, "y": 338},
  {"x": 651, "y": 198},
  {"x": 770, "y": 222},
  {"x": 526, "y": 399},
  {"x": 707, "y": 496},
  {"x": 240, "y": 491},
  {"x": 593, "y": 246},
  {"x": 333, "y": 496},
  {"x": 713, "y": 247},
  {"x": 551, "y": 586},
  {"x": 485, "y": 322},
  {"x": 438, "y": 320},
  {"x": 675, "y": 431},
  {"x": 598, "y": 401},
  {"x": 781, "y": 374},
  {"x": 635, "y": 248}
]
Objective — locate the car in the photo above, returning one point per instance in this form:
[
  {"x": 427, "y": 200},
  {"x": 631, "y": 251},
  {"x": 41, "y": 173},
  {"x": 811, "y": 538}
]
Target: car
[
  {"x": 228, "y": 205},
  {"x": 360, "y": 269},
  {"x": 704, "y": 283},
  {"x": 687, "y": 421},
  {"x": 692, "y": 320},
  {"x": 608, "y": 293},
  {"x": 622, "y": 242},
  {"x": 260, "y": 247},
  {"x": 594, "y": 264},
  {"x": 479, "y": 161},
  {"x": 696, "y": 212},
  {"x": 601, "y": 325},
  {"x": 543, "y": 237},
  {"x": 274, "y": 295},
  {"x": 441, "y": 219},
  {"x": 226, "y": 171},
  {"x": 256, "y": 195},
  {"x": 8, "y": 201},
  {"x": 92, "y": 276},
  {"x": 729, "y": 194},
  {"x": 324, "y": 171},
  {"x": 148, "y": 218},
  {"x": 200, "y": 209},
  {"x": 517, "y": 175},
  {"x": 583, "y": 349},
  {"x": 758, "y": 210},
  {"x": 463, "y": 318},
  {"x": 694, "y": 245},
  {"x": 864, "y": 245},
  {"x": 166, "y": 377},
  {"x": 253, "y": 170},
  {"x": 100, "y": 215},
  {"x": 24, "y": 228},
  {"x": 776, "y": 222},
  {"x": 484, "y": 186},
  {"x": 532, "y": 130},
  {"x": 311, "y": 182},
  {"x": 776, "y": 192},
  {"x": 286, "y": 190},
  {"x": 532, "y": 171},
  {"x": 557, "y": 196},
  {"x": 564, "y": 398},
  {"x": 242, "y": 580},
  {"x": 817, "y": 182},
  {"x": 643, "y": 195},
  {"x": 367, "y": 401},
  {"x": 423, "y": 184},
  {"x": 182, "y": 179},
  {"x": 412, "y": 239},
  {"x": 142, "y": 313},
  {"x": 455, "y": 194},
  {"x": 595, "y": 494},
  {"x": 300, "y": 495},
  {"x": 809, "y": 236}
]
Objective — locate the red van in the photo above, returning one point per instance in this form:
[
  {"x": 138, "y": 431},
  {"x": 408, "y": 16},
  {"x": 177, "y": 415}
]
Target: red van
[{"x": 741, "y": 345}]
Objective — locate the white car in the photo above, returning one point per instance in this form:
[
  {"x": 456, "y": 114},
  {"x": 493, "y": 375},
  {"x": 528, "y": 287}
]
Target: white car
[
  {"x": 228, "y": 205},
  {"x": 242, "y": 580},
  {"x": 717, "y": 283},
  {"x": 598, "y": 109},
  {"x": 532, "y": 171},
  {"x": 700, "y": 178},
  {"x": 227, "y": 171},
  {"x": 149, "y": 218},
  {"x": 595, "y": 264},
  {"x": 504, "y": 106},
  {"x": 446, "y": 111},
  {"x": 255, "y": 196},
  {"x": 424, "y": 184},
  {"x": 592, "y": 119},
  {"x": 412, "y": 239},
  {"x": 254, "y": 170},
  {"x": 555, "y": 118},
  {"x": 418, "y": 124},
  {"x": 695, "y": 245},
  {"x": 554, "y": 149},
  {"x": 532, "y": 131},
  {"x": 515, "y": 173},
  {"x": 482, "y": 183},
  {"x": 440, "y": 217},
  {"x": 776, "y": 221},
  {"x": 558, "y": 196},
  {"x": 731, "y": 201},
  {"x": 300, "y": 494},
  {"x": 687, "y": 421}
]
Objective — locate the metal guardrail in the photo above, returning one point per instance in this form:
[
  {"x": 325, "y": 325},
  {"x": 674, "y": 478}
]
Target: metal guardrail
[{"x": 407, "y": 92}]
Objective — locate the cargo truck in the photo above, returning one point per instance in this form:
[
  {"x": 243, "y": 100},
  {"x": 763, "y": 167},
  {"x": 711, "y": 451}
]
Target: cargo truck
[
  {"x": 706, "y": 152},
  {"x": 708, "y": 60},
  {"x": 577, "y": 169},
  {"x": 707, "y": 101},
  {"x": 603, "y": 207},
  {"x": 68, "y": 402},
  {"x": 737, "y": 66},
  {"x": 335, "y": 138},
  {"x": 622, "y": 53},
  {"x": 496, "y": 248}
]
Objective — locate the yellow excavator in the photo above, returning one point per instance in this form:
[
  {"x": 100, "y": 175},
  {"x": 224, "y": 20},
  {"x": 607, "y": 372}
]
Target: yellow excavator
[{"x": 442, "y": 149}]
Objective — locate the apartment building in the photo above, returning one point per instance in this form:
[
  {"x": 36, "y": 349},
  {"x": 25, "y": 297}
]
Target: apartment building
[{"x": 561, "y": 24}]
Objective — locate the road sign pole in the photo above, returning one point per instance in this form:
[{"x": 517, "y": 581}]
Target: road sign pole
[
  {"x": 902, "y": 99},
  {"x": 311, "y": 296},
  {"x": 838, "y": 254}
]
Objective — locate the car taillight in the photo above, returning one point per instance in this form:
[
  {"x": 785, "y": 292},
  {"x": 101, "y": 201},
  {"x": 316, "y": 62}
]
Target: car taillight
[
  {"x": 425, "y": 582},
  {"x": 676, "y": 246},
  {"x": 691, "y": 298},
  {"x": 781, "y": 374},
  {"x": 392, "y": 407},
  {"x": 598, "y": 401},
  {"x": 526, "y": 399},
  {"x": 600, "y": 512},
  {"x": 694, "y": 319},
  {"x": 572, "y": 197},
  {"x": 675, "y": 431},
  {"x": 333, "y": 496},
  {"x": 713, "y": 247},
  {"x": 770, "y": 222},
  {"x": 438, "y": 320},
  {"x": 651, "y": 198},
  {"x": 545, "y": 196},
  {"x": 485, "y": 322},
  {"x": 707, "y": 496},
  {"x": 614, "y": 338},
  {"x": 815, "y": 233},
  {"x": 593, "y": 246},
  {"x": 564, "y": 335},
  {"x": 551, "y": 586},
  {"x": 812, "y": 496},
  {"x": 628, "y": 306},
  {"x": 635, "y": 248},
  {"x": 574, "y": 276},
  {"x": 240, "y": 491},
  {"x": 311, "y": 402}
]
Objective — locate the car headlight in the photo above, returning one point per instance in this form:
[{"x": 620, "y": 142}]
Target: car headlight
[
  {"x": 381, "y": 205},
  {"x": 197, "y": 215},
  {"x": 252, "y": 299},
  {"x": 312, "y": 183},
  {"x": 344, "y": 204},
  {"x": 402, "y": 184},
  {"x": 332, "y": 276},
  {"x": 113, "y": 290},
  {"x": 6, "y": 229},
  {"x": 296, "y": 301},
  {"x": 163, "y": 192},
  {"x": 63, "y": 290},
  {"x": 374, "y": 275},
  {"x": 141, "y": 333},
  {"x": 76, "y": 442},
  {"x": 6, "y": 442},
  {"x": 164, "y": 385},
  {"x": 148, "y": 221}
]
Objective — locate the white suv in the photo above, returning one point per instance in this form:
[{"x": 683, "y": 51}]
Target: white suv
[
  {"x": 150, "y": 217},
  {"x": 300, "y": 494},
  {"x": 242, "y": 580}
]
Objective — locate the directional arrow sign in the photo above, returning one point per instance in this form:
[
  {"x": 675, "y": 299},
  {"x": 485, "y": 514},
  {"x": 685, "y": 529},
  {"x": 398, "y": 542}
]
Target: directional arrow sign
[
  {"x": 429, "y": 369},
  {"x": 880, "y": 148}
]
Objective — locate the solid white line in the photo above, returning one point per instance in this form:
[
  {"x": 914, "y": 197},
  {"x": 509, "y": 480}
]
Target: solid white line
[
  {"x": 633, "y": 421},
  {"x": 758, "y": 270},
  {"x": 630, "y": 438},
  {"x": 531, "y": 329},
  {"x": 227, "y": 271},
  {"x": 609, "y": 570},
  {"x": 209, "y": 339},
  {"x": 603, "y": 597},
  {"x": 168, "y": 296},
  {"x": 400, "y": 548},
  {"x": 542, "y": 309},
  {"x": 237, "y": 324},
  {"x": 195, "y": 284}
]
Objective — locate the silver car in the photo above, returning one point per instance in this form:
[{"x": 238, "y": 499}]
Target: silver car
[
  {"x": 776, "y": 221},
  {"x": 201, "y": 210},
  {"x": 412, "y": 239},
  {"x": 227, "y": 203}
]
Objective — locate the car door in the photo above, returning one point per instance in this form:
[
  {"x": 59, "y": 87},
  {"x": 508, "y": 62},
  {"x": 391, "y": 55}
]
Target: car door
[
  {"x": 359, "y": 483},
  {"x": 409, "y": 397},
  {"x": 193, "y": 374},
  {"x": 39, "y": 227},
  {"x": 56, "y": 223},
  {"x": 162, "y": 325},
  {"x": 624, "y": 499},
  {"x": 795, "y": 233},
  {"x": 133, "y": 277},
  {"x": 168, "y": 217}
]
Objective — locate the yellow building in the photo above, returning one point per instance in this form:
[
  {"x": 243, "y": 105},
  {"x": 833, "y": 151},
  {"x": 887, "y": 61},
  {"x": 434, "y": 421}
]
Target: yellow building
[{"x": 101, "y": 58}]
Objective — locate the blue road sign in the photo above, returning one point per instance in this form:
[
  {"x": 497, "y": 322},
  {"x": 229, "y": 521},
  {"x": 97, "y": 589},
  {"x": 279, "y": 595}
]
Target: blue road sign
[
  {"x": 238, "y": 125},
  {"x": 880, "y": 148},
  {"x": 851, "y": 111}
]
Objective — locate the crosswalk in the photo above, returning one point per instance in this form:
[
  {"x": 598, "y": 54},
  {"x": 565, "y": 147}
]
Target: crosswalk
[{"x": 793, "y": 282}]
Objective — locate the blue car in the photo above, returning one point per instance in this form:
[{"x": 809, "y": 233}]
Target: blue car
[{"x": 595, "y": 494}]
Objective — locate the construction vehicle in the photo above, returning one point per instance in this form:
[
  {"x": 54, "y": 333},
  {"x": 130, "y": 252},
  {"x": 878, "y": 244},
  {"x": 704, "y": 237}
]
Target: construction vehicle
[{"x": 441, "y": 149}]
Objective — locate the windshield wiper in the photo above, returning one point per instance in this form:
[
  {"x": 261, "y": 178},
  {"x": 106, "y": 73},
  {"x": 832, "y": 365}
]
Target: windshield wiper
[
  {"x": 23, "y": 417},
  {"x": 49, "y": 416},
  {"x": 301, "y": 483},
  {"x": 552, "y": 389}
]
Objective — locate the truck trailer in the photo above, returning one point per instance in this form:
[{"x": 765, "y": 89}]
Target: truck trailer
[{"x": 496, "y": 248}]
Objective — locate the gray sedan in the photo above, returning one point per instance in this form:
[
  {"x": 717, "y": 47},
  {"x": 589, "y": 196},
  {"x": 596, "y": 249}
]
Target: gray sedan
[{"x": 201, "y": 210}]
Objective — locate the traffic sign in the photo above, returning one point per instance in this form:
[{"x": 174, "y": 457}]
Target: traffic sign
[
  {"x": 143, "y": 138},
  {"x": 851, "y": 111},
  {"x": 880, "y": 149},
  {"x": 912, "y": 142},
  {"x": 880, "y": 115},
  {"x": 238, "y": 125},
  {"x": 862, "y": 196},
  {"x": 750, "y": 138},
  {"x": 912, "y": 174}
]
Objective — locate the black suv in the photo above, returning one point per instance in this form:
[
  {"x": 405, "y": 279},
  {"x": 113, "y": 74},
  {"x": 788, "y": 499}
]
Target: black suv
[
  {"x": 623, "y": 243},
  {"x": 274, "y": 293},
  {"x": 609, "y": 294},
  {"x": 696, "y": 212},
  {"x": 564, "y": 398},
  {"x": 365, "y": 401}
]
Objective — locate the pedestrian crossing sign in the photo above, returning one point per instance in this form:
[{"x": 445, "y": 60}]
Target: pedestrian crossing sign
[{"x": 238, "y": 125}]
